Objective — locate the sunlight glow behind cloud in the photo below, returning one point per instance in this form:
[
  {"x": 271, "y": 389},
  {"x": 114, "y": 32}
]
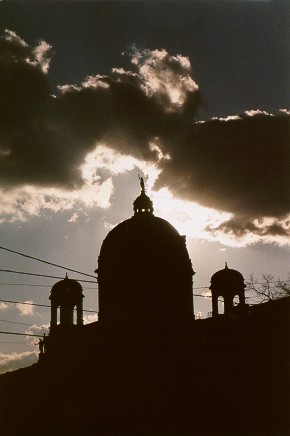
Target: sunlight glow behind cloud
[
  {"x": 226, "y": 179},
  {"x": 98, "y": 171}
]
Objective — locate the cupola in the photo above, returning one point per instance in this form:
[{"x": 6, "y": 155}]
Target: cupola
[
  {"x": 66, "y": 295},
  {"x": 227, "y": 283}
]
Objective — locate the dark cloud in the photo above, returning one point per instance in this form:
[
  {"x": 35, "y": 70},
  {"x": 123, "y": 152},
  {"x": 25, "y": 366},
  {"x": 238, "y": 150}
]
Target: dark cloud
[
  {"x": 240, "y": 226},
  {"x": 44, "y": 138},
  {"x": 239, "y": 164}
]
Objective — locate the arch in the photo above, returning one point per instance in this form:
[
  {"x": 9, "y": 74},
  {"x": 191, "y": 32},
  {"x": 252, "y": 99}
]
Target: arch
[
  {"x": 236, "y": 300},
  {"x": 221, "y": 305}
]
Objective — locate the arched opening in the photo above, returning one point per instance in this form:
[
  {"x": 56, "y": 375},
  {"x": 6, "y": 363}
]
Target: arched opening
[
  {"x": 221, "y": 305},
  {"x": 58, "y": 315},
  {"x": 75, "y": 315},
  {"x": 236, "y": 300}
]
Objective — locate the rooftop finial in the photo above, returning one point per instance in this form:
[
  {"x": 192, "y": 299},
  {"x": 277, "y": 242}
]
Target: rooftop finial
[
  {"x": 226, "y": 265},
  {"x": 141, "y": 183},
  {"x": 66, "y": 276}
]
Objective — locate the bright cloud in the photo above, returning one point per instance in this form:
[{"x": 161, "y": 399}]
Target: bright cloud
[
  {"x": 18, "y": 204},
  {"x": 3, "y": 306},
  {"x": 12, "y": 361},
  {"x": 25, "y": 309},
  {"x": 166, "y": 77},
  {"x": 63, "y": 152},
  {"x": 90, "y": 318}
]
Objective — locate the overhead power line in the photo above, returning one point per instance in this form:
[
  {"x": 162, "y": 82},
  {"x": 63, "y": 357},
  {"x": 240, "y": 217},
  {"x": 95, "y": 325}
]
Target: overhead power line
[
  {"x": 24, "y": 302},
  {"x": 43, "y": 275},
  {"x": 12, "y": 342},
  {"x": 39, "y": 305},
  {"x": 14, "y": 322},
  {"x": 36, "y": 286},
  {"x": 45, "y": 261},
  {"x": 20, "y": 334}
]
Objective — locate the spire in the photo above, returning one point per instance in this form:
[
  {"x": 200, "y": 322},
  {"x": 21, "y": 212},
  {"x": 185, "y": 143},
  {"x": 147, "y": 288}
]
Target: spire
[{"x": 142, "y": 204}]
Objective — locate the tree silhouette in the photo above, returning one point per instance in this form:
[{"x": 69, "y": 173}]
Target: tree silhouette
[{"x": 268, "y": 289}]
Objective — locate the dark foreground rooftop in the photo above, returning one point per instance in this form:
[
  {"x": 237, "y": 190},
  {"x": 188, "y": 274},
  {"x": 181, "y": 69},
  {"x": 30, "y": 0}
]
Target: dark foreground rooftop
[{"x": 214, "y": 377}]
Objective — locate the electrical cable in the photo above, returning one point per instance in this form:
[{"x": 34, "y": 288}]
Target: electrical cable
[
  {"x": 20, "y": 334},
  {"x": 37, "y": 286},
  {"x": 39, "y": 305},
  {"x": 14, "y": 322},
  {"x": 43, "y": 275},
  {"x": 12, "y": 342},
  {"x": 44, "y": 261}
]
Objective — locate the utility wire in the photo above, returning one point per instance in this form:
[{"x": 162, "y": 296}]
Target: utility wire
[
  {"x": 12, "y": 342},
  {"x": 25, "y": 302},
  {"x": 20, "y": 334},
  {"x": 39, "y": 305},
  {"x": 14, "y": 322},
  {"x": 42, "y": 275},
  {"x": 44, "y": 261},
  {"x": 39, "y": 286},
  {"x": 96, "y": 283}
]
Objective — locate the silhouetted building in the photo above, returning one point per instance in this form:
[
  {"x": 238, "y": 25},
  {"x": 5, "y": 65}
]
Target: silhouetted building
[
  {"x": 228, "y": 284},
  {"x": 144, "y": 272},
  {"x": 66, "y": 297},
  {"x": 221, "y": 376}
]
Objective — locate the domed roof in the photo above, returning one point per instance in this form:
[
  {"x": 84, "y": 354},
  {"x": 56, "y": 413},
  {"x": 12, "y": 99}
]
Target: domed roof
[
  {"x": 66, "y": 289},
  {"x": 136, "y": 232},
  {"x": 142, "y": 239},
  {"x": 227, "y": 278},
  {"x": 144, "y": 271}
]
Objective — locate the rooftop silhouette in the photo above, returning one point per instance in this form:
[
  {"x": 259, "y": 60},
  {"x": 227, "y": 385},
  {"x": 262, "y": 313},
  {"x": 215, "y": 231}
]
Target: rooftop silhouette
[{"x": 147, "y": 366}]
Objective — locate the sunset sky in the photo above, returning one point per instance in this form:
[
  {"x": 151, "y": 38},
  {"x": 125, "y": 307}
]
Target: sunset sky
[{"x": 194, "y": 96}]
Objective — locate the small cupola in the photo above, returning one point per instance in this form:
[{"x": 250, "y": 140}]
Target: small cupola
[
  {"x": 228, "y": 284},
  {"x": 142, "y": 204},
  {"x": 66, "y": 295}
]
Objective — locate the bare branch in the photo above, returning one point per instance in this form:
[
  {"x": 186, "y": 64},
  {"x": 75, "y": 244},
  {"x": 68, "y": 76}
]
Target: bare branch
[{"x": 268, "y": 289}]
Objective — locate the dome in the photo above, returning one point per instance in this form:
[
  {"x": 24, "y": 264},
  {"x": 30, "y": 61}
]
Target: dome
[
  {"x": 68, "y": 290},
  {"x": 227, "y": 278},
  {"x": 137, "y": 233},
  {"x": 144, "y": 268}
]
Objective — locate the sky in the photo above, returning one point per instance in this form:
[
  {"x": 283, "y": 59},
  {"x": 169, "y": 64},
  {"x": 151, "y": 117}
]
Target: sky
[{"x": 194, "y": 96}]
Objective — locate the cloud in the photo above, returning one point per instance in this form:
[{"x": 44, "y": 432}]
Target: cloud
[
  {"x": 166, "y": 78},
  {"x": 240, "y": 166},
  {"x": 73, "y": 218},
  {"x": 3, "y": 306},
  {"x": 206, "y": 294},
  {"x": 250, "y": 231},
  {"x": 20, "y": 203},
  {"x": 44, "y": 139},
  {"x": 90, "y": 318},
  {"x": 50, "y": 145},
  {"x": 36, "y": 330},
  {"x": 12, "y": 361},
  {"x": 25, "y": 309}
]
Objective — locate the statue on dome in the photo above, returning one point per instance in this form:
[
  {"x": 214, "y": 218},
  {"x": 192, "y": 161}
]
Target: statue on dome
[{"x": 141, "y": 183}]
